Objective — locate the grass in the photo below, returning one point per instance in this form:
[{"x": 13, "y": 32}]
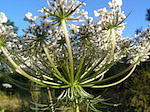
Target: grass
[{"x": 12, "y": 103}]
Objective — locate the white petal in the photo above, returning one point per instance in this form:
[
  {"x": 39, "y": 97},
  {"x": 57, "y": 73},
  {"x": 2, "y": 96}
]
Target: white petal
[
  {"x": 3, "y": 18},
  {"x": 96, "y": 14}
]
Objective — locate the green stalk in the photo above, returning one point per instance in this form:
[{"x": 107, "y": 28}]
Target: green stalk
[
  {"x": 133, "y": 65},
  {"x": 69, "y": 49},
  {"x": 90, "y": 69},
  {"x": 100, "y": 73},
  {"x": 81, "y": 63},
  {"x": 115, "y": 83},
  {"x": 22, "y": 72},
  {"x": 76, "y": 106},
  {"x": 127, "y": 69},
  {"x": 50, "y": 98},
  {"x": 112, "y": 34},
  {"x": 58, "y": 75}
]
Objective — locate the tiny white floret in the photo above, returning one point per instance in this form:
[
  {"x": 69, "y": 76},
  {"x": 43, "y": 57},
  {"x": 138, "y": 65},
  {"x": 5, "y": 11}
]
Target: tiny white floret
[
  {"x": 3, "y": 18},
  {"x": 29, "y": 15},
  {"x": 118, "y": 3},
  {"x": 96, "y": 14}
]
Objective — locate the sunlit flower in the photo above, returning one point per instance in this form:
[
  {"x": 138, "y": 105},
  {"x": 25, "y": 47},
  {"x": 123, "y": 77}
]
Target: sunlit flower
[
  {"x": 3, "y": 18},
  {"x": 96, "y": 14},
  {"x": 118, "y": 3},
  {"x": 63, "y": 10},
  {"x": 112, "y": 18},
  {"x": 28, "y": 17}
]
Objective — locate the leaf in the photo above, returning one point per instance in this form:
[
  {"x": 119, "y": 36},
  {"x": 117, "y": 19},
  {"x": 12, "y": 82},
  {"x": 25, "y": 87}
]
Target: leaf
[{"x": 3, "y": 110}]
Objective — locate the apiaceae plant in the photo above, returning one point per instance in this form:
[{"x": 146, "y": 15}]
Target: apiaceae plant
[{"x": 60, "y": 54}]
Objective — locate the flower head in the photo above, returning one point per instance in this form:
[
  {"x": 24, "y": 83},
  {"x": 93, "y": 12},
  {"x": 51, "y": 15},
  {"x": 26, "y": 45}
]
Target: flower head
[
  {"x": 3, "y": 18},
  {"x": 63, "y": 10},
  {"x": 112, "y": 18},
  {"x": 6, "y": 31},
  {"x": 117, "y": 3},
  {"x": 28, "y": 17}
]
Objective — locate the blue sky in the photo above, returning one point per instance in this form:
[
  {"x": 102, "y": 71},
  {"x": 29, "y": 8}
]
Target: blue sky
[{"x": 15, "y": 10}]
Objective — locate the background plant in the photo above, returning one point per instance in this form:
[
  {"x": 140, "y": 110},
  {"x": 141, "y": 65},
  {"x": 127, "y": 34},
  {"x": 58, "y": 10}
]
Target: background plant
[{"x": 68, "y": 57}]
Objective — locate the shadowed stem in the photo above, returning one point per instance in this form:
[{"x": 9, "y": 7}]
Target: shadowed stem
[
  {"x": 50, "y": 98},
  {"x": 76, "y": 106}
]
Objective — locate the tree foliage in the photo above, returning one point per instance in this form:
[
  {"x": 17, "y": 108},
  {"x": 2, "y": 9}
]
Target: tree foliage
[{"x": 148, "y": 15}]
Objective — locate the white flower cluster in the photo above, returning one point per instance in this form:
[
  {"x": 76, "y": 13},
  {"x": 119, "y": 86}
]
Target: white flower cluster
[
  {"x": 94, "y": 34},
  {"x": 60, "y": 9},
  {"x": 5, "y": 31},
  {"x": 113, "y": 17},
  {"x": 6, "y": 34},
  {"x": 6, "y": 85},
  {"x": 139, "y": 46},
  {"x": 3, "y": 18},
  {"x": 28, "y": 17},
  {"x": 114, "y": 3}
]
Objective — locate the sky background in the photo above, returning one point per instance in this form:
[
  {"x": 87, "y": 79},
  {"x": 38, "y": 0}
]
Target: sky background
[{"x": 15, "y": 10}]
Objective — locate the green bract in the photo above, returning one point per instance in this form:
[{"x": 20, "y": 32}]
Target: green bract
[{"x": 1, "y": 43}]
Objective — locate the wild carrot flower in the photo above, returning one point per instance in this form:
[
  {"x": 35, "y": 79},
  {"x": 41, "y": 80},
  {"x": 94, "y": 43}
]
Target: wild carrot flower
[
  {"x": 63, "y": 10},
  {"x": 91, "y": 48}
]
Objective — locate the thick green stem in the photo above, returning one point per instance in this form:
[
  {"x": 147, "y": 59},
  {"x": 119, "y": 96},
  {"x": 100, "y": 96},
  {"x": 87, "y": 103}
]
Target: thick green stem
[
  {"x": 112, "y": 34},
  {"x": 118, "y": 82},
  {"x": 58, "y": 75},
  {"x": 69, "y": 49}
]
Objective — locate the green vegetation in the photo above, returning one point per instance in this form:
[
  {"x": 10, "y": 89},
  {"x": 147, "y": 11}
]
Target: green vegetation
[{"x": 133, "y": 95}]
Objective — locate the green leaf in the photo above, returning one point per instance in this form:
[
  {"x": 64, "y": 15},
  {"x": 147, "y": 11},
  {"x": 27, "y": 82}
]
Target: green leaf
[{"x": 3, "y": 110}]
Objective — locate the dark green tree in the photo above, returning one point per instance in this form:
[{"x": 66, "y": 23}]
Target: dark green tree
[
  {"x": 148, "y": 15},
  {"x": 139, "y": 30}
]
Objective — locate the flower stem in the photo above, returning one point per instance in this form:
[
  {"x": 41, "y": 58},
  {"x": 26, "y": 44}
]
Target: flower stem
[
  {"x": 76, "y": 106},
  {"x": 69, "y": 49},
  {"x": 18, "y": 68},
  {"x": 112, "y": 34},
  {"x": 50, "y": 98},
  {"x": 58, "y": 74}
]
